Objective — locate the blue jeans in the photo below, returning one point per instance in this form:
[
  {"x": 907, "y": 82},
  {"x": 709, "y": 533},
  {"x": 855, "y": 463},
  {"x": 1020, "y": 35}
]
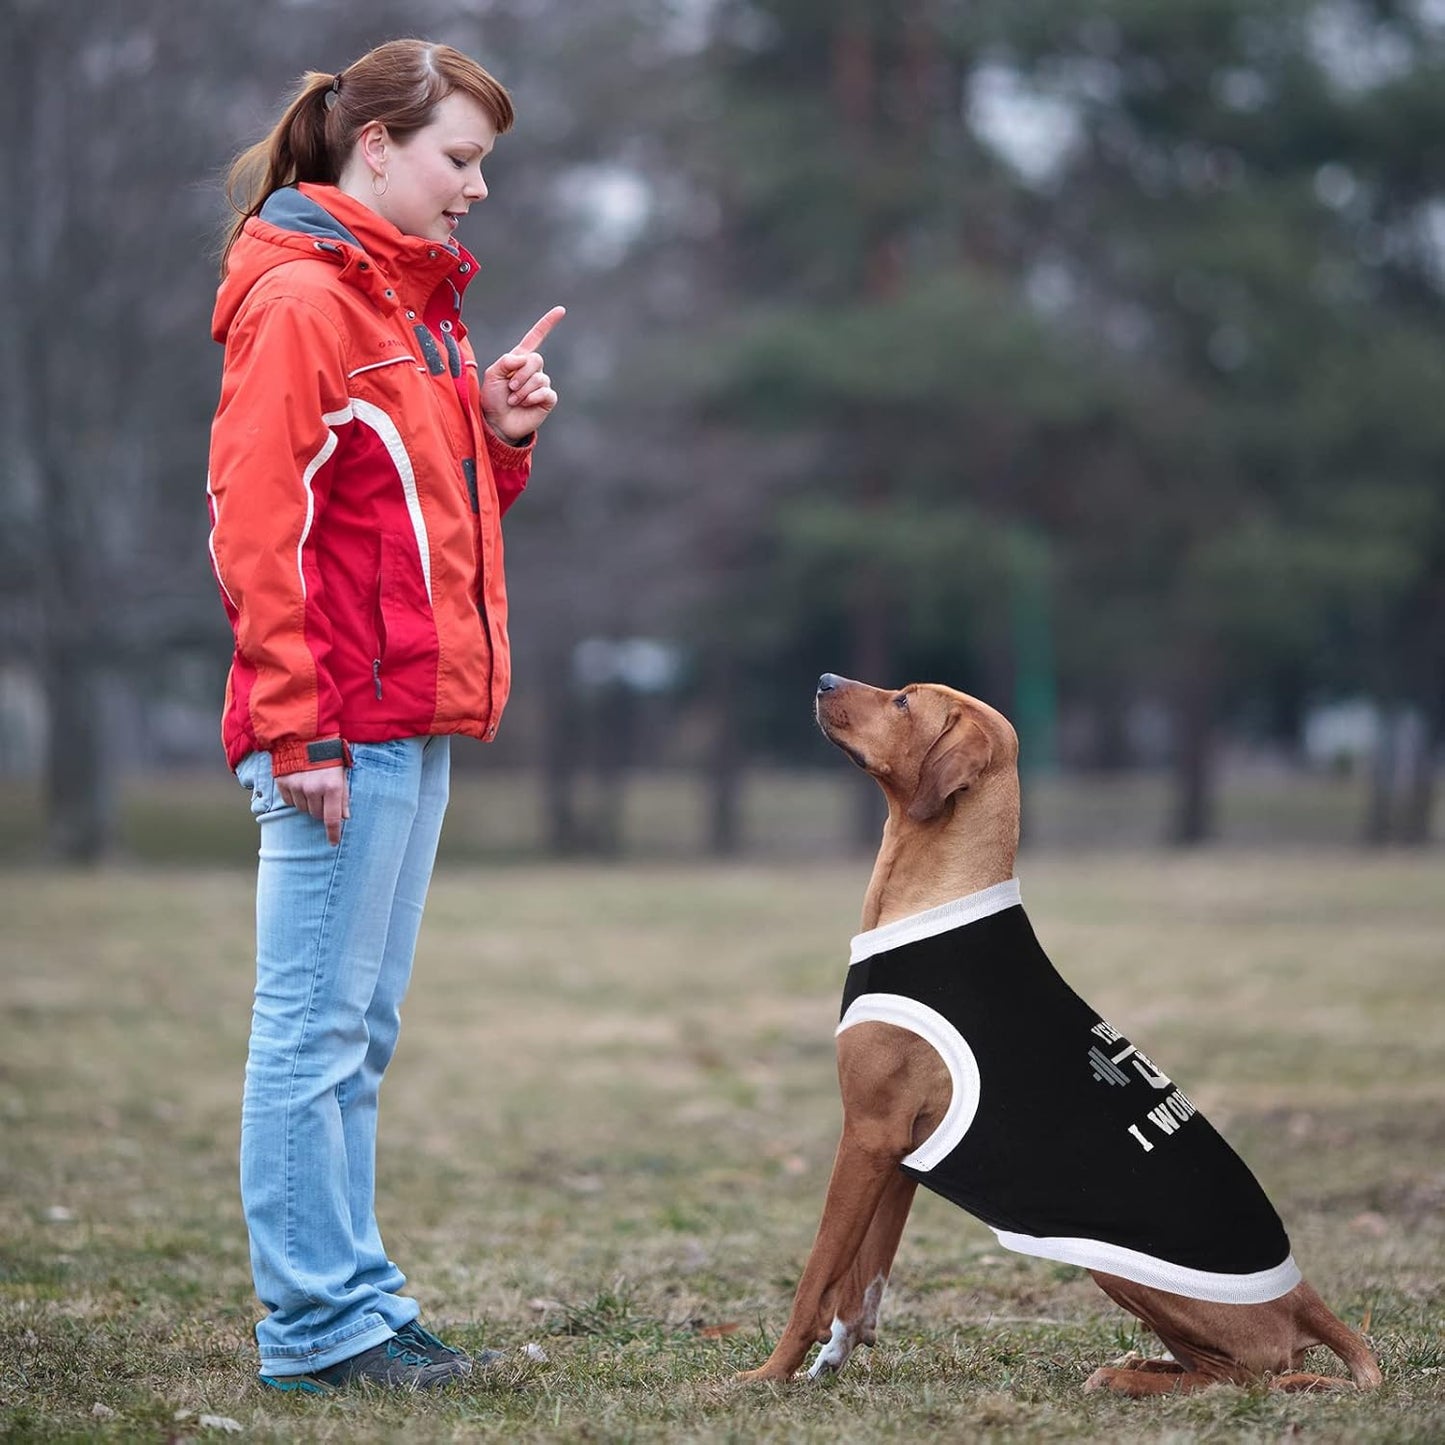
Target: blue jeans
[{"x": 335, "y": 932}]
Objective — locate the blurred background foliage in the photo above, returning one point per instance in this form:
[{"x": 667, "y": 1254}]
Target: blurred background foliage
[{"x": 1085, "y": 356}]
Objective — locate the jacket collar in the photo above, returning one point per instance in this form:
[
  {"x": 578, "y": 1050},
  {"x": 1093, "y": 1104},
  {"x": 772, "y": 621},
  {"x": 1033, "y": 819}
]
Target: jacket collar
[{"x": 401, "y": 271}]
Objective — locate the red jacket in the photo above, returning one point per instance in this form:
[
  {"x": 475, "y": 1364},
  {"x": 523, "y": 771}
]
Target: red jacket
[{"x": 356, "y": 494}]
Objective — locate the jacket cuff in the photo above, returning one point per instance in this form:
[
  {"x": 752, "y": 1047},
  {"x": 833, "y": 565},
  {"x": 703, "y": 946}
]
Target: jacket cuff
[
  {"x": 308, "y": 757},
  {"x": 507, "y": 455}
]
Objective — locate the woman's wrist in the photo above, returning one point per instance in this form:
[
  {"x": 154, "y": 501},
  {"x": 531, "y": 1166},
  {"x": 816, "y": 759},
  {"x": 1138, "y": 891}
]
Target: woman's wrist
[{"x": 520, "y": 443}]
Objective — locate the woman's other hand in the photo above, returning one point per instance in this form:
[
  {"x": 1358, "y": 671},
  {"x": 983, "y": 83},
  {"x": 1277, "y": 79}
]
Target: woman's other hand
[{"x": 322, "y": 792}]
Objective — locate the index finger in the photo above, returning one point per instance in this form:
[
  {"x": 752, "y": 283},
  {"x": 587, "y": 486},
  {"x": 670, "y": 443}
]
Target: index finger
[
  {"x": 538, "y": 334},
  {"x": 334, "y": 809}
]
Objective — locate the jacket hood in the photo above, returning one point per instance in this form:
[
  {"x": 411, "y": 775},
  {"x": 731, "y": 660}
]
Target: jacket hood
[{"x": 317, "y": 222}]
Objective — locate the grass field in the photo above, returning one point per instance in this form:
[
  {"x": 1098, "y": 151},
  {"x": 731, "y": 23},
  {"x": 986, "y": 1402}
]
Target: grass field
[{"x": 608, "y": 1129}]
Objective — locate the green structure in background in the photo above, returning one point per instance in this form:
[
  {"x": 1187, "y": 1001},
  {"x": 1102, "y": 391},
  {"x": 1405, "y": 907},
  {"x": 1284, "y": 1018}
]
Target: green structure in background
[{"x": 1035, "y": 691}]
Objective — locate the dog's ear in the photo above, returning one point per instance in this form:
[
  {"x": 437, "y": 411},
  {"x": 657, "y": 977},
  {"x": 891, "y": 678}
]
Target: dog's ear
[{"x": 958, "y": 755}]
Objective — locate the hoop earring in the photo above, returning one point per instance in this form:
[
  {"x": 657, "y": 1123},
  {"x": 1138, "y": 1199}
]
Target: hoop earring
[{"x": 380, "y": 190}]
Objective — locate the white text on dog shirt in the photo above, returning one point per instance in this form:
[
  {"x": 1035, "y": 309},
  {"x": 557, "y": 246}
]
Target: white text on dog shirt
[{"x": 1166, "y": 1117}]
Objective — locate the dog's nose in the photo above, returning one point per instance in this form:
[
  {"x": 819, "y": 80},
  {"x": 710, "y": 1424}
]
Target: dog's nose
[{"x": 828, "y": 682}]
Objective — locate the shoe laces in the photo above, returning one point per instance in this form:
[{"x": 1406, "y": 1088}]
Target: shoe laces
[
  {"x": 419, "y": 1332},
  {"x": 397, "y": 1350}
]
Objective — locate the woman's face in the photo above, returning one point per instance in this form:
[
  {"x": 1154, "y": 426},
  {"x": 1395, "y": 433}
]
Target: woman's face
[{"x": 435, "y": 175}]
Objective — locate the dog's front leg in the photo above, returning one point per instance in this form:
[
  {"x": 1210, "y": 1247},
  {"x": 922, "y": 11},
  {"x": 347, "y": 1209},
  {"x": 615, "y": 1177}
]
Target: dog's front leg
[
  {"x": 861, "y": 1175},
  {"x": 855, "y": 1321}
]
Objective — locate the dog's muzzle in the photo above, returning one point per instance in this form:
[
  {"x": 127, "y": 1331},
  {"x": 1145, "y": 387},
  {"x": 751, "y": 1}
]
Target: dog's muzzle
[{"x": 829, "y": 685}]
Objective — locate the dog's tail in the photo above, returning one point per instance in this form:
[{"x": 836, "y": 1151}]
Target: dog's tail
[{"x": 1335, "y": 1334}]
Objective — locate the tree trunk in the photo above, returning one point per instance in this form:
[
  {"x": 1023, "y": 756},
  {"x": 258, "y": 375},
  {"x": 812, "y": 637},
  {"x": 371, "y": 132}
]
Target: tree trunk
[
  {"x": 1417, "y": 797},
  {"x": 1417, "y": 786},
  {"x": 1111, "y": 748},
  {"x": 870, "y": 664},
  {"x": 559, "y": 758},
  {"x": 725, "y": 771},
  {"x": 617, "y": 720},
  {"x": 1403, "y": 781},
  {"x": 1193, "y": 820},
  {"x": 67, "y": 548},
  {"x": 1380, "y": 807},
  {"x": 854, "y": 92},
  {"x": 79, "y": 803}
]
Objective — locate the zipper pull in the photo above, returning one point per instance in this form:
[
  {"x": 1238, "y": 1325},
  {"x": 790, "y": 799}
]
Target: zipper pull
[{"x": 376, "y": 675}]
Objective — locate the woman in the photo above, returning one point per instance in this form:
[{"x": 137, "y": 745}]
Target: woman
[{"x": 359, "y": 470}]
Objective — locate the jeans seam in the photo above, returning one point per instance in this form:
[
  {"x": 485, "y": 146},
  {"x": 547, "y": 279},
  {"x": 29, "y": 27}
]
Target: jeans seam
[{"x": 317, "y": 960}]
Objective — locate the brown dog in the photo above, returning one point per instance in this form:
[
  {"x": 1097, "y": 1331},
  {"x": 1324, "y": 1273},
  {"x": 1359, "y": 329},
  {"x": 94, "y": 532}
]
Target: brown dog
[{"x": 1044, "y": 1121}]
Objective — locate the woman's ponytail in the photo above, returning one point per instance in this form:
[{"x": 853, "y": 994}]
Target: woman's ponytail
[{"x": 298, "y": 149}]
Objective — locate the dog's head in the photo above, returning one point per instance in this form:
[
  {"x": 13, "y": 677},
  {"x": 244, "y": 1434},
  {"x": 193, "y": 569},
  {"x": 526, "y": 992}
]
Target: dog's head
[{"x": 924, "y": 743}]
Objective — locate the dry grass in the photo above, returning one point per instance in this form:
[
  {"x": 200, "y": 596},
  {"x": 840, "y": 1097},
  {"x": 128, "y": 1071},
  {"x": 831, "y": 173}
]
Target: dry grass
[{"x": 615, "y": 1093}]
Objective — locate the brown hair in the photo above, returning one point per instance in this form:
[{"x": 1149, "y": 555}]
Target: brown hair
[{"x": 399, "y": 84}]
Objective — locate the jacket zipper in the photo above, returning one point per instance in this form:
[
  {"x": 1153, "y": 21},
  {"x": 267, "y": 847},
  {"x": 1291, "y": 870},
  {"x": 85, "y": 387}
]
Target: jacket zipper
[{"x": 379, "y": 623}]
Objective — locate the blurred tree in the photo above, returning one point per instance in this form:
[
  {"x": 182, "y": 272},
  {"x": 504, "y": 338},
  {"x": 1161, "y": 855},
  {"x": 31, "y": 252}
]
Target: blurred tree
[
  {"x": 1131, "y": 343},
  {"x": 1241, "y": 208},
  {"x": 874, "y": 326},
  {"x": 591, "y": 207},
  {"x": 100, "y": 238},
  {"x": 969, "y": 340},
  {"x": 1171, "y": 352},
  {"x": 124, "y": 115}
]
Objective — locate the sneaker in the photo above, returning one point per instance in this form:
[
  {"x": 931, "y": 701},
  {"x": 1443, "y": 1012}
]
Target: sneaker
[
  {"x": 295, "y": 1384},
  {"x": 425, "y": 1343},
  {"x": 393, "y": 1364}
]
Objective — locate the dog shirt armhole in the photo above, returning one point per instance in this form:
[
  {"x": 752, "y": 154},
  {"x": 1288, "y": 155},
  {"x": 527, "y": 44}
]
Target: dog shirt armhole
[{"x": 951, "y": 1047}]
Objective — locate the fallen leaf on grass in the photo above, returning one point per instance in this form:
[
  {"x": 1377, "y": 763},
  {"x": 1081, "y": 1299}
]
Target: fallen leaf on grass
[
  {"x": 102, "y": 1412},
  {"x": 716, "y": 1332}
]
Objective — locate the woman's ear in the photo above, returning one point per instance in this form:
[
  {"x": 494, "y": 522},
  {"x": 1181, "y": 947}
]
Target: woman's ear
[
  {"x": 958, "y": 755},
  {"x": 371, "y": 141}
]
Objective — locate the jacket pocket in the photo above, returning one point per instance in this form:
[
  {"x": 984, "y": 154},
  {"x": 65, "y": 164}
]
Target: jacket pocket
[
  {"x": 254, "y": 774},
  {"x": 400, "y": 606}
]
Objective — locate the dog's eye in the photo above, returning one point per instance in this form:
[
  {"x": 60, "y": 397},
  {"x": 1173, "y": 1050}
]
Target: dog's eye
[{"x": 901, "y": 701}]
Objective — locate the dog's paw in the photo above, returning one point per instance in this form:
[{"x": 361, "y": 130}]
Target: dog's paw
[
  {"x": 1308, "y": 1384},
  {"x": 828, "y": 1364},
  {"x": 839, "y": 1344},
  {"x": 1131, "y": 1361},
  {"x": 764, "y": 1375}
]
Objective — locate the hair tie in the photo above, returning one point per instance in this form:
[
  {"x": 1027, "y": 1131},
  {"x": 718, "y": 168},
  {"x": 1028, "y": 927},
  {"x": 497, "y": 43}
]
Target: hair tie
[{"x": 334, "y": 94}]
